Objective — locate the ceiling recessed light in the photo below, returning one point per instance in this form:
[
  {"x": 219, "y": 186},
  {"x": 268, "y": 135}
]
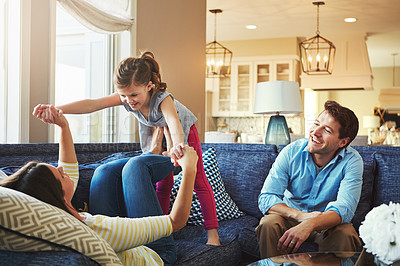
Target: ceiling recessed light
[
  {"x": 251, "y": 27},
  {"x": 350, "y": 20}
]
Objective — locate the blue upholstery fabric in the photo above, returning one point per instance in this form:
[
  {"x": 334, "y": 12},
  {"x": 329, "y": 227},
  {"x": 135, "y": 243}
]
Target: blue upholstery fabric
[
  {"x": 192, "y": 250},
  {"x": 248, "y": 239},
  {"x": 241, "y": 165},
  {"x": 387, "y": 186},
  {"x": 59, "y": 258}
]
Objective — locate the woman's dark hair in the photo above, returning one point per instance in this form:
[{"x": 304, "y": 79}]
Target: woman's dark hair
[
  {"x": 139, "y": 71},
  {"x": 37, "y": 180},
  {"x": 345, "y": 117}
]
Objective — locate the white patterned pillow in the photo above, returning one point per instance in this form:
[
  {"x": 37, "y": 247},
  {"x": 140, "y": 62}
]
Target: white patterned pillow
[
  {"x": 226, "y": 207},
  {"x": 33, "y": 225}
]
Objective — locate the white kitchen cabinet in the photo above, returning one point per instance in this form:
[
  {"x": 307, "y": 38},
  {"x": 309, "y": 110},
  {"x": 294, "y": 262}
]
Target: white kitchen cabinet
[{"x": 233, "y": 96}]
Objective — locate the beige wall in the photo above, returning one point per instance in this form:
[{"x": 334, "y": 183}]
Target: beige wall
[
  {"x": 362, "y": 102},
  {"x": 175, "y": 32},
  {"x": 40, "y": 70},
  {"x": 263, "y": 47}
]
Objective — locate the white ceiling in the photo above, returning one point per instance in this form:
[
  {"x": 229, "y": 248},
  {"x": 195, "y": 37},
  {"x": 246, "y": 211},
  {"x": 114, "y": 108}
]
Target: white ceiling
[{"x": 378, "y": 19}]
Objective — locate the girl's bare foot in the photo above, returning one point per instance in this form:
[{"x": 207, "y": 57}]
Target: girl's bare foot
[
  {"x": 156, "y": 141},
  {"x": 213, "y": 237}
]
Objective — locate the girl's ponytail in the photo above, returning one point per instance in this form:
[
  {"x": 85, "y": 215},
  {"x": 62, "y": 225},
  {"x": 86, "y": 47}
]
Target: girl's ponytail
[{"x": 139, "y": 71}]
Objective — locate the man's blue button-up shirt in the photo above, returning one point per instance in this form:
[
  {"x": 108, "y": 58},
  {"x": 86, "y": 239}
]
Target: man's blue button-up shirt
[{"x": 293, "y": 180}]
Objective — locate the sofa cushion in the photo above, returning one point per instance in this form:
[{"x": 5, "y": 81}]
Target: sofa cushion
[
  {"x": 234, "y": 161},
  {"x": 32, "y": 225},
  {"x": 226, "y": 208},
  {"x": 192, "y": 250},
  {"x": 387, "y": 179},
  {"x": 248, "y": 238}
]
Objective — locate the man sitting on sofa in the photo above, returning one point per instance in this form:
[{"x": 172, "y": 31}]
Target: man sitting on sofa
[{"x": 313, "y": 188}]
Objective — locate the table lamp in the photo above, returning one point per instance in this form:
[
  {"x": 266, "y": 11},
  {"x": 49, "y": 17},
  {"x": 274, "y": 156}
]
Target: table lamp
[
  {"x": 371, "y": 122},
  {"x": 277, "y": 97}
]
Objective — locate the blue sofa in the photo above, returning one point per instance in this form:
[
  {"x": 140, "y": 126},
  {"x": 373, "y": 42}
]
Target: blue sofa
[{"x": 243, "y": 167}]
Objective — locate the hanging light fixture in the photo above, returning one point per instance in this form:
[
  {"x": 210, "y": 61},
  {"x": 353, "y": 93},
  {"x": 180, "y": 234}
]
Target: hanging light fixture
[
  {"x": 317, "y": 53},
  {"x": 219, "y": 58}
]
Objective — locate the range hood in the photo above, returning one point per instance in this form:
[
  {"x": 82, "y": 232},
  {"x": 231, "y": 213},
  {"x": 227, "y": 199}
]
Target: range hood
[
  {"x": 389, "y": 99},
  {"x": 351, "y": 69}
]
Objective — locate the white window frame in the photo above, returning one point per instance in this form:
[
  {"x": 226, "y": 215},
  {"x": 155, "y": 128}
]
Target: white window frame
[{"x": 14, "y": 89}]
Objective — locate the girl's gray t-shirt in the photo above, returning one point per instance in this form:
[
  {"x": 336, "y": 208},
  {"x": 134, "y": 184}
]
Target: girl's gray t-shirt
[{"x": 156, "y": 118}]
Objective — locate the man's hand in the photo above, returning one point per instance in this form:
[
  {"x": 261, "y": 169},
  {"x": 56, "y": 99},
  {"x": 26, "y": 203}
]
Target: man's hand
[{"x": 295, "y": 236}]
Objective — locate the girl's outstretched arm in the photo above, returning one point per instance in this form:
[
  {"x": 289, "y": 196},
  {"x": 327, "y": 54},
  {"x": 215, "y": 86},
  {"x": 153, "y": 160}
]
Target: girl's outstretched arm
[
  {"x": 174, "y": 127},
  {"x": 90, "y": 105}
]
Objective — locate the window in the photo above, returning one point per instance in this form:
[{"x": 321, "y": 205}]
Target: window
[
  {"x": 68, "y": 62},
  {"x": 83, "y": 71},
  {"x": 3, "y": 79},
  {"x": 14, "y": 84}
]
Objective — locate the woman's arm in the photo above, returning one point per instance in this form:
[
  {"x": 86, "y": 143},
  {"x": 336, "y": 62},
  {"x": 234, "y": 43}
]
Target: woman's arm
[
  {"x": 90, "y": 105},
  {"x": 181, "y": 208}
]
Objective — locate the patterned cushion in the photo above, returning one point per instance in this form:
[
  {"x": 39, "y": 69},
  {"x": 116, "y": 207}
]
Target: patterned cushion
[
  {"x": 32, "y": 225},
  {"x": 226, "y": 208}
]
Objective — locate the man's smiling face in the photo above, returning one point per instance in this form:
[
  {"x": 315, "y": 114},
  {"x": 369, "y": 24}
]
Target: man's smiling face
[{"x": 324, "y": 136}]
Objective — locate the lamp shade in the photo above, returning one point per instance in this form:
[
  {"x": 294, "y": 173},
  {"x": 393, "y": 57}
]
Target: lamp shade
[
  {"x": 277, "y": 97},
  {"x": 371, "y": 121}
]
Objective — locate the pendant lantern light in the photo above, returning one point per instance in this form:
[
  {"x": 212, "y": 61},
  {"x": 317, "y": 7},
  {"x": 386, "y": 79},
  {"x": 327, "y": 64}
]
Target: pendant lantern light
[
  {"x": 219, "y": 58},
  {"x": 317, "y": 53}
]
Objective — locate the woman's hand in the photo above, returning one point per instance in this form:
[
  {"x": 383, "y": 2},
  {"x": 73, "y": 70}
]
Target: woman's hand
[
  {"x": 188, "y": 160},
  {"x": 49, "y": 114}
]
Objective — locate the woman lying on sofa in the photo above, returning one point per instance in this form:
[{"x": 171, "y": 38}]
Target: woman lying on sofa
[{"x": 56, "y": 186}]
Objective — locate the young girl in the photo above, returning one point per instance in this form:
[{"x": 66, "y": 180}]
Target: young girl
[{"x": 141, "y": 91}]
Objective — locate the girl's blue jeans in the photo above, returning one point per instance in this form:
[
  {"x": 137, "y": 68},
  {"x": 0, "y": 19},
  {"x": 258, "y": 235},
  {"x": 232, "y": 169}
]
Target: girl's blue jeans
[{"x": 126, "y": 188}]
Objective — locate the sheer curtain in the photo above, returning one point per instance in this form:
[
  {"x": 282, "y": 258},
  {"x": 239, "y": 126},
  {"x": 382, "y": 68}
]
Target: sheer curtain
[
  {"x": 90, "y": 36},
  {"x": 102, "y": 16}
]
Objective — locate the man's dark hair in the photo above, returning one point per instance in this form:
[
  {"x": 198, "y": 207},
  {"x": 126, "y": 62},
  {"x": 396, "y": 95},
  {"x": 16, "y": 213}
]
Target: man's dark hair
[{"x": 345, "y": 117}]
